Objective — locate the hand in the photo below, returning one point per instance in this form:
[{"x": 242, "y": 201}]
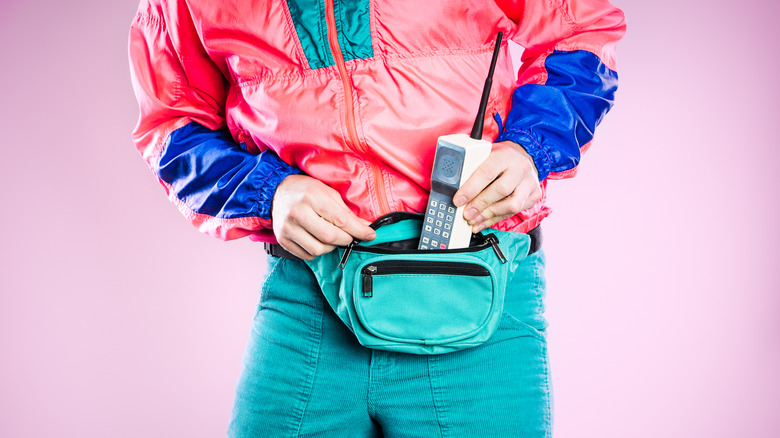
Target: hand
[
  {"x": 505, "y": 184},
  {"x": 310, "y": 218}
]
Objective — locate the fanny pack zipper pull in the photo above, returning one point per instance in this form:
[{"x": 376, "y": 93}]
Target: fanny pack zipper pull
[
  {"x": 494, "y": 243},
  {"x": 368, "y": 286},
  {"x": 346, "y": 254}
]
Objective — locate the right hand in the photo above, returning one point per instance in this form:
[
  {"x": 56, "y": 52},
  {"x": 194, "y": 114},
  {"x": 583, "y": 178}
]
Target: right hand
[{"x": 309, "y": 218}]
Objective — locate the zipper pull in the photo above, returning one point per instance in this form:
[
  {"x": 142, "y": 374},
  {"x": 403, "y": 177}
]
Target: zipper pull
[
  {"x": 368, "y": 286},
  {"x": 346, "y": 254},
  {"x": 494, "y": 243}
]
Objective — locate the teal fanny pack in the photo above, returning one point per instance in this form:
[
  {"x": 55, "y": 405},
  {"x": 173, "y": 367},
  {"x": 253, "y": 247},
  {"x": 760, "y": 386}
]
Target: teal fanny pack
[{"x": 398, "y": 298}]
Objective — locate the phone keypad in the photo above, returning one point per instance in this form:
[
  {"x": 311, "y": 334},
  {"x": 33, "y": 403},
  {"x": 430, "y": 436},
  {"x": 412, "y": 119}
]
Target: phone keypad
[{"x": 438, "y": 223}]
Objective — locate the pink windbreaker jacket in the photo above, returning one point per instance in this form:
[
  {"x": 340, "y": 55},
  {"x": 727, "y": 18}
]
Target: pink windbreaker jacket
[{"x": 235, "y": 95}]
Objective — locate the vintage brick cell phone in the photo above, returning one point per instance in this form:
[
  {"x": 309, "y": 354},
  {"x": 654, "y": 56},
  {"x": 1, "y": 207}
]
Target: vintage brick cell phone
[{"x": 457, "y": 157}]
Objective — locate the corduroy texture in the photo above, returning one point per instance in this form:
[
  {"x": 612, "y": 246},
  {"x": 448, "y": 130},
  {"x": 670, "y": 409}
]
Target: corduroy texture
[{"x": 305, "y": 374}]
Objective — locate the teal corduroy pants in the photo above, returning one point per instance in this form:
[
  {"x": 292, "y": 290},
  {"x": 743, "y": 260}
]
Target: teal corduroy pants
[{"x": 305, "y": 375}]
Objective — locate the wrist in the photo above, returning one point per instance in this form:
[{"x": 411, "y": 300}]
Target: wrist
[
  {"x": 523, "y": 152},
  {"x": 285, "y": 184},
  {"x": 277, "y": 172}
]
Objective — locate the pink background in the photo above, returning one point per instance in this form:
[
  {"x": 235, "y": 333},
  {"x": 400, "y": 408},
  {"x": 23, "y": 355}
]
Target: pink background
[{"x": 117, "y": 319}]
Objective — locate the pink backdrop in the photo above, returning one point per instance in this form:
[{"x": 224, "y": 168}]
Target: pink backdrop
[{"x": 117, "y": 319}]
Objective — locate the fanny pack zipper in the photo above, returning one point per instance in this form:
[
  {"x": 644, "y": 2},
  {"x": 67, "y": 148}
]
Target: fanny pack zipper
[
  {"x": 429, "y": 267},
  {"x": 488, "y": 240}
]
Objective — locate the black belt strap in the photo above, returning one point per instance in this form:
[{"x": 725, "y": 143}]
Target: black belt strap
[{"x": 276, "y": 250}]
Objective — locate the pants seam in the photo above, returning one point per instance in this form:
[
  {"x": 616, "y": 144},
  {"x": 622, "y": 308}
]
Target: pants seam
[
  {"x": 305, "y": 394},
  {"x": 371, "y": 387},
  {"x": 437, "y": 402},
  {"x": 548, "y": 391}
]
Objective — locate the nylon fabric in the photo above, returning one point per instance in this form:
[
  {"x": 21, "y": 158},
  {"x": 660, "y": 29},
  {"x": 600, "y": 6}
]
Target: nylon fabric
[
  {"x": 343, "y": 281},
  {"x": 309, "y": 19},
  {"x": 555, "y": 120},
  {"x": 354, "y": 28},
  {"x": 387, "y": 313},
  {"x": 214, "y": 176},
  {"x": 243, "y": 68}
]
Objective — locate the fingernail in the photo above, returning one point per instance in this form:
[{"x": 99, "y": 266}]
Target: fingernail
[
  {"x": 471, "y": 213},
  {"x": 460, "y": 200},
  {"x": 478, "y": 228},
  {"x": 370, "y": 236}
]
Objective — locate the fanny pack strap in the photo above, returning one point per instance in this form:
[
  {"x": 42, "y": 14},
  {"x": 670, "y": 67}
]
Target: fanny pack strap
[{"x": 399, "y": 231}]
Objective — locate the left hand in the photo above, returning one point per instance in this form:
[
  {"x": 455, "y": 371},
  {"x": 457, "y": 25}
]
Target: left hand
[{"x": 505, "y": 184}]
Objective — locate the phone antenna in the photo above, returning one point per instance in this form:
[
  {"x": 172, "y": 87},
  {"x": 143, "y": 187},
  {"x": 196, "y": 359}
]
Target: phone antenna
[{"x": 476, "y": 131}]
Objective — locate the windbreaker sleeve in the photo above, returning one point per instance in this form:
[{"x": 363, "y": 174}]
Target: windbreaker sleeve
[
  {"x": 220, "y": 187},
  {"x": 567, "y": 80}
]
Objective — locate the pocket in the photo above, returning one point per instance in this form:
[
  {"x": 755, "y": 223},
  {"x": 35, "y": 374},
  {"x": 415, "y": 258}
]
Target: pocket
[
  {"x": 527, "y": 329},
  {"x": 424, "y": 301},
  {"x": 272, "y": 267}
]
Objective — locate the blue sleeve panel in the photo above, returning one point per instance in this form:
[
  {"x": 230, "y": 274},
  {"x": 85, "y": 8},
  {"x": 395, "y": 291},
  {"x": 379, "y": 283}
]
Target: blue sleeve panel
[
  {"x": 214, "y": 176},
  {"x": 553, "y": 121}
]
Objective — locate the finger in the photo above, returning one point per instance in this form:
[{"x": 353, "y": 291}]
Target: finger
[
  {"x": 303, "y": 244},
  {"x": 294, "y": 249},
  {"x": 483, "y": 206},
  {"x": 525, "y": 192},
  {"x": 324, "y": 231},
  {"x": 497, "y": 212},
  {"x": 488, "y": 171},
  {"x": 523, "y": 198},
  {"x": 334, "y": 210},
  {"x": 488, "y": 222}
]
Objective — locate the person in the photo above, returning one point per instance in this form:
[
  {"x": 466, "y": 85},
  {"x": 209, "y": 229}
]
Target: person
[{"x": 297, "y": 123}]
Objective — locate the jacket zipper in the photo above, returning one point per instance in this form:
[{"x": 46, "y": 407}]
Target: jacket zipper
[
  {"x": 349, "y": 110},
  {"x": 428, "y": 267}
]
